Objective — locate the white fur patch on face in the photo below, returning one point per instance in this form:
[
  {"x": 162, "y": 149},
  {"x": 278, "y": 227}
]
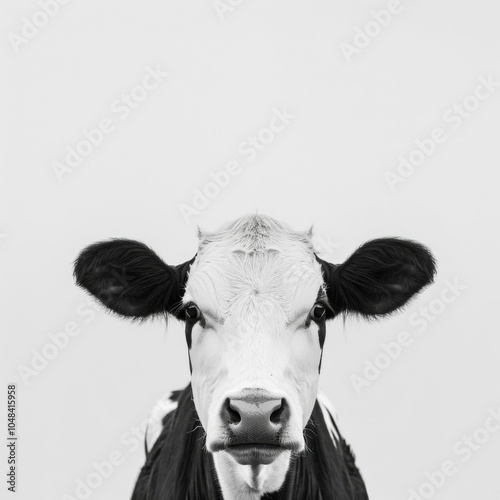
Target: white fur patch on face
[
  {"x": 254, "y": 256},
  {"x": 255, "y": 282}
]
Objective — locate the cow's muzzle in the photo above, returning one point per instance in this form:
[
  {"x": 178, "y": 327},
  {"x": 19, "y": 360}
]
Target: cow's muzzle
[{"x": 255, "y": 421}]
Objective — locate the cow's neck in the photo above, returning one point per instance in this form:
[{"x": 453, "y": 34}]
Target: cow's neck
[{"x": 245, "y": 482}]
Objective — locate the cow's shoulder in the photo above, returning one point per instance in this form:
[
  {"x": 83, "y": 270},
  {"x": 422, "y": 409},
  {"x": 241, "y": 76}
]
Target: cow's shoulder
[
  {"x": 347, "y": 461},
  {"x": 160, "y": 413},
  {"x": 176, "y": 464},
  {"x": 329, "y": 416}
]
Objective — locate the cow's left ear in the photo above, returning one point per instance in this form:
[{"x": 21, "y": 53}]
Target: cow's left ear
[
  {"x": 379, "y": 277},
  {"x": 130, "y": 279}
]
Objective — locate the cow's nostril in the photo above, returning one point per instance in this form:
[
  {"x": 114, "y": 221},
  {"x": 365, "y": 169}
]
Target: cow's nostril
[
  {"x": 233, "y": 416},
  {"x": 276, "y": 414}
]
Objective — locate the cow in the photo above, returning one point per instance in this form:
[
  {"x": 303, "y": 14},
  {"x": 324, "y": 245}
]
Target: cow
[{"x": 255, "y": 301}]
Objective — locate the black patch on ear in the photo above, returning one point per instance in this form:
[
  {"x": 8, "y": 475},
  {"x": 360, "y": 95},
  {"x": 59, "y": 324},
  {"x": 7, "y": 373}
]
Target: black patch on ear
[
  {"x": 379, "y": 277},
  {"x": 130, "y": 279}
]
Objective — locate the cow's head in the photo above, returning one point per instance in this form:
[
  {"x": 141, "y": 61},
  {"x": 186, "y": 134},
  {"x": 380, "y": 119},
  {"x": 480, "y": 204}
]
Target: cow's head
[{"x": 255, "y": 301}]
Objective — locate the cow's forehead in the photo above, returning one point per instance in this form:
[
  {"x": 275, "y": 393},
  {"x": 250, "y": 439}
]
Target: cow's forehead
[{"x": 254, "y": 259}]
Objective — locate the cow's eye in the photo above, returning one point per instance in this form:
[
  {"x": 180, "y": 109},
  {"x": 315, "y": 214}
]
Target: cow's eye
[
  {"x": 318, "y": 312},
  {"x": 192, "y": 312}
]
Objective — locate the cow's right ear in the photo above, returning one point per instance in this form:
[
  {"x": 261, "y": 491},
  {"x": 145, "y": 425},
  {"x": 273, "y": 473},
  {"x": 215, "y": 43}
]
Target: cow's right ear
[
  {"x": 379, "y": 278},
  {"x": 130, "y": 279}
]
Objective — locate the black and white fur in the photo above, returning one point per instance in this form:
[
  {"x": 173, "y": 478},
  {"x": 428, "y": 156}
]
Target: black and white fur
[{"x": 255, "y": 300}]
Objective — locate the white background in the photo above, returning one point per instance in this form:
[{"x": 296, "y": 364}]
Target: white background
[{"x": 327, "y": 168}]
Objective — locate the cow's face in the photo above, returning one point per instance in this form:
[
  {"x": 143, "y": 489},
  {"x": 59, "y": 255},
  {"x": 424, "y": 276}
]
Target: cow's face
[
  {"x": 254, "y": 301},
  {"x": 255, "y": 321}
]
